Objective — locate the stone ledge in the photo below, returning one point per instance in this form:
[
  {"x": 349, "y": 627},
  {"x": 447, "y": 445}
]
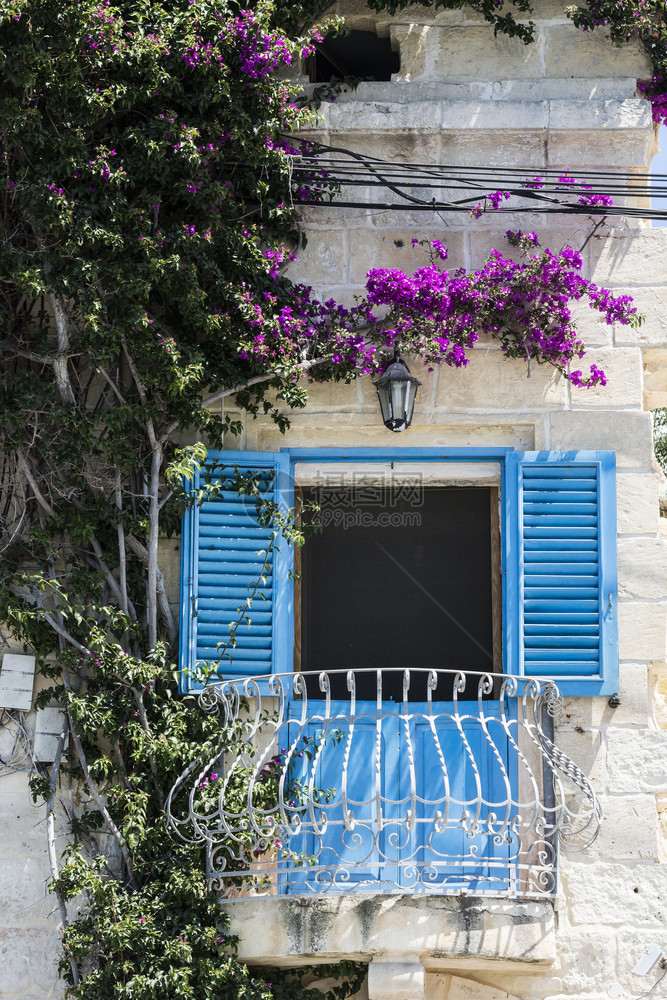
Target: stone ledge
[
  {"x": 353, "y": 114},
  {"x": 444, "y": 932}
]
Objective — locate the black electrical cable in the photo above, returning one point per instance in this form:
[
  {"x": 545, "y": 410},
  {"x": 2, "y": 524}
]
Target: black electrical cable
[
  {"x": 335, "y": 167},
  {"x": 642, "y": 996}
]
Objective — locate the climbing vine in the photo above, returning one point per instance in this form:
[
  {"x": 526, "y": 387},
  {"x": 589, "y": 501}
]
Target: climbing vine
[{"x": 147, "y": 214}]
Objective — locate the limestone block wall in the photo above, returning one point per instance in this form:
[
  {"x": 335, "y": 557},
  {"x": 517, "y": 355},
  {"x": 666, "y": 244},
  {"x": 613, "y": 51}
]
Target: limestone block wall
[
  {"x": 568, "y": 101},
  {"x": 462, "y": 97}
]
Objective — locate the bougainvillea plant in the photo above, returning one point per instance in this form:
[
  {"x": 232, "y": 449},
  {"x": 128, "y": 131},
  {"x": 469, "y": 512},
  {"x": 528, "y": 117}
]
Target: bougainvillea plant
[{"x": 147, "y": 213}]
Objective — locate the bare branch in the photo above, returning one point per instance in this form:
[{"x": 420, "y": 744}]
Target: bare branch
[
  {"x": 163, "y": 602},
  {"x": 153, "y": 540},
  {"x": 44, "y": 504},
  {"x": 122, "y": 554},
  {"x": 223, "y": 393},
  {"x": 64, "y": 633},
  {"x": 60, "y": 361},
  {"x": 51, "y": 836},
  {"x": 145, "y": 725},
  {"x": 105, "y": 375}
]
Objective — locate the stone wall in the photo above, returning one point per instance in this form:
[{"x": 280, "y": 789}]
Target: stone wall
[
  {"x": 568, "y": 101},
  {"x": 461, "y": 97}
]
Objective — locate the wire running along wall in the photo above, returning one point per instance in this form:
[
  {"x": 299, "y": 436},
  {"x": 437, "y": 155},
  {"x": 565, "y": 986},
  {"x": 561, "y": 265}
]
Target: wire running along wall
[{"x": 321, "y": 173}]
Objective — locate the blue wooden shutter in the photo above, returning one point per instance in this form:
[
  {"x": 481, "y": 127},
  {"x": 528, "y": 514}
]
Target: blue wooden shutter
[
  {"x": 220, "y": 563},
  {"x": 560, "y": 520}
]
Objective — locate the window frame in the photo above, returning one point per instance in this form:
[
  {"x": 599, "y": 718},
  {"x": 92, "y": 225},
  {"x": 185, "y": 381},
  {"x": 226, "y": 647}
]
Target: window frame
[
  {"x": 407, "y": 456},
  {"x": 509, "y": 462}
]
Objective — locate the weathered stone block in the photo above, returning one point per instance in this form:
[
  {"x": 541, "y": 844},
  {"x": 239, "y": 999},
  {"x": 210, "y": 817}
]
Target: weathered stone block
[
  {"x": 658, "y": 689},
  {"x": 651, "y": 302},
  {"x": 626, "y": 433},
  {"x": 411, "y": 40},
  {"x": 641, "y": 630},
  {"x": 622, "y": 895},
  {"x": 391, "y": 144},
  {"x": 571, "y": 52},
  {"x": 623, "y": 368},
  {"x": 332, "y": 396},
  {"x": 392, "y": 248},
  {"x": 26, "y": 900},
  {"x": 642, "y": 568},
  {"x": 633, "y": 113},
  {"x": 468, "y": 989},
  {"x": 323, "y": 262},
  {"x": 596, "y": 714},
  {"x": 442, "y": 930},
  {"x": 471, "y": 52},
  {"x": 591, "y": 325},
  {"x": 492, "y": 382},
  {"x": 21, "y": 826},
  {"x": 350, "y": 432},
  {"x": 504, "y": 148},
  {"x": 629, "y": 829},
  {"x": 28, "y": 960},
  {"x": 169, "y": 560},
  {"x": 627, "y": 257},
  {"x": 637, "y": 503},
  {"x": 586, "y": 956},
  {"x": 636, "y": 761},
  {"x": 389, "y": 980},
  {"x": 498, "y": 115},
  {"x": 603, "y": 150},
  {"x": 366, "y": 117},
  {"x": 655, "y": 377},
  {"x": 587, "y": 751}
]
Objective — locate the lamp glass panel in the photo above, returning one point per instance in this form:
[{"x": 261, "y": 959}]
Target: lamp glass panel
[
  {"x": 385, "y": 402},
  {"x": 411, "y": 395},
  {"x": 399, "y": 398}
]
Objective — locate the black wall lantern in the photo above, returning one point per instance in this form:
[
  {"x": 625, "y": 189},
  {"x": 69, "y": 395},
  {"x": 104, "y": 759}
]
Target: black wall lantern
[{"x": 397, "y": 391}]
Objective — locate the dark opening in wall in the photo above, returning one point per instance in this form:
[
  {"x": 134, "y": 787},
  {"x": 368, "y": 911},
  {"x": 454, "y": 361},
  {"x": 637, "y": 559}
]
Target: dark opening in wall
[{"x": 361, "y": 54}]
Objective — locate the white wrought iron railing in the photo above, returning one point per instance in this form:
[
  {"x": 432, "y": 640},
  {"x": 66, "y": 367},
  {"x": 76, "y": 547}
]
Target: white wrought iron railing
[{"x": 397, "y": 781}]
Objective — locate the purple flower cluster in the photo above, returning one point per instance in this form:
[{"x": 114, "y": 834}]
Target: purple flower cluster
[
  {"x": 523, "y": 240},
  {"x": 655, "y": 90},
  {"x": 434, "y": 313},
  {"x": 205, "y": 781},
  {"x": 259, "y": 52},
  {"x": 564, "y": 183},
  {"x": 526, "y": 306}
]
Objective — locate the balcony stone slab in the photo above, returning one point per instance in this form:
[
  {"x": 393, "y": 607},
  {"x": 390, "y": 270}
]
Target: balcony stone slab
[{"x": 442, "y": 932}]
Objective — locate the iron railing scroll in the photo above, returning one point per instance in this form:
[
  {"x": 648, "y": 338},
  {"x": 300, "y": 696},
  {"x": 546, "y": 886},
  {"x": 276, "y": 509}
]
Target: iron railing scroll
[{"x": 325, "y": 784}]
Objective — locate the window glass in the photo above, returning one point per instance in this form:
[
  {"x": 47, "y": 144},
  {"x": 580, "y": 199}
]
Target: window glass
[{"x": 399, "y": 578}]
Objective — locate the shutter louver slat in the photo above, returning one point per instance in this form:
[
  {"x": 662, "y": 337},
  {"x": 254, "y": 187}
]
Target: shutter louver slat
[
  {"x": 232, "y": 574},
  {"x": 566, "y": 554},
  {"x": 565, "y": 500},
  {"x": 224, "y": 552}
]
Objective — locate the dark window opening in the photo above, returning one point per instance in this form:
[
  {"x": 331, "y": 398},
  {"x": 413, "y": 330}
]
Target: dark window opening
[
  {"x": 360, "y": 54},
  {"x": 400, "y": 581}
]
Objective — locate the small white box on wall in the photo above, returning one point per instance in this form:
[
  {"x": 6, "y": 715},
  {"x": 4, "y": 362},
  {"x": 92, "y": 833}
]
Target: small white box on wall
[
  {"x": 48, "y": 727},
  {"x": 17, "y": 676}
]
